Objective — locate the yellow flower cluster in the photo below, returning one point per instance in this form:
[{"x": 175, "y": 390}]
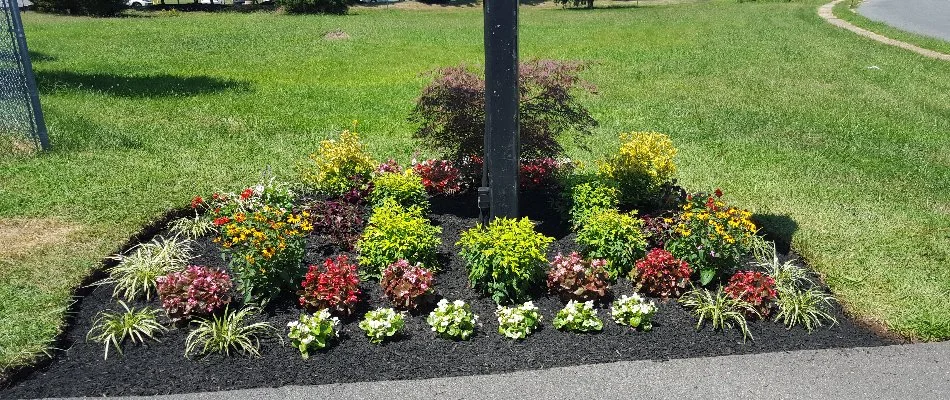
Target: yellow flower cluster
[
  {"x": 719, "y": 221},
  {"x": 265, "y": 233},
  {"x": 642, "y": 154},
  {"x": 337, "y": 161}
]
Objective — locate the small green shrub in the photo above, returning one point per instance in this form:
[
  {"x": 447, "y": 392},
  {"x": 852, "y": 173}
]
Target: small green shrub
[
  {"x": 720, "y": 309},
  {"x": 405, "y": 188},
  {"x": 313, "y": 332},
  {"x": 614, "y": 236},
  {"x": 113, "y": 328},
  {"x": 578, "y": 317},
  {"x": 339, "y": 165},
  {"x": 226, "y": 332},
  {"x": 396, "y": 233},
  {"x": 634, "y": 312},
  {"x": 505, "y": 259},
  {"x": 137, "y": 272},
  {"x": 518, "y": 322},
  {"x": 381, "y": 324},
  {"x": 96, "y": 8},
  {"x": 588, "y": 198},
  {"x": 314, "y": 6},
  {"x": 642, "y": 165},
  {"x": 453, "y": 320}
]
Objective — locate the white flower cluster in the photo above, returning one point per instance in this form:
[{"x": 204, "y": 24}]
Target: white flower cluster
[
  {"x": 382, "y": 323},
  {"x": 633, "y": 311},
  {"x": 579, "y": 317},
  {"x": 313, "y": 331},
  {"x": 518, "y": 322},
  {"x": 453, "y": 320}
]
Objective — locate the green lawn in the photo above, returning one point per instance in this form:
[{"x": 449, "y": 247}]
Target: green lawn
[
  {"x": 763, "y": 99},
  {"x": 844, "y": 11}
]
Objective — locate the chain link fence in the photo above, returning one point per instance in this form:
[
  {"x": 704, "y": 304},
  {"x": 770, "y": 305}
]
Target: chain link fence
[{"x": 22, "y": 129}]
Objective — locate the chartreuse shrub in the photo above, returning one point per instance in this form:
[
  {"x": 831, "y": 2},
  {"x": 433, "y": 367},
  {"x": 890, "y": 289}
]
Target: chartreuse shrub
[
  {"x": 574, "y": 278},
  {"x": 578, "y": 317},
  {"x": 712, "y": 237},
  {"x": 381, "y": 324},
  {"x": 112, "y": 328},
  {"x": 137, "y": 272},
  {"x": 395, "y": 233},
  {"x": 265, "y": 248},
  {"x": 313, "y": 332},
  {"x": 505, "y": 259},
  {"x": 615, "y": 236},
  {"x": 406, "y": 188},
  {"x": 587, "y": 198},
  {"x": 453, "y": 320},
  {"x": 339, "y": 165},
  {"x": 518, "y": 322},
  {"x": 228, "y": 332},
  {"x": 634, "y": 312},
  {"x": 720, "y": 309},
  {"x": 642, "y": 165}
]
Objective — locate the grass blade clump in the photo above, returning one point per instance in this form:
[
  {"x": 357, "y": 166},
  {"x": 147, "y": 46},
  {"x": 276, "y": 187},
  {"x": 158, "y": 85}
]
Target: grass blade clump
[
  {"x": 227, "y": 332},
  {"x": 719, "y": 309},
  {"x": 800, "y": 300},
  {"x": 113, "y": 328},
  {"x": 192, "y": 227},
  {"x": 135, "y": 274}
]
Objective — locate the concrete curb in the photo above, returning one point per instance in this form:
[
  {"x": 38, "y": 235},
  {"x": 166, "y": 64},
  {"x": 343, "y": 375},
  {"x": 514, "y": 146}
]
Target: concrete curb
[{"x": 826, "y": 13}]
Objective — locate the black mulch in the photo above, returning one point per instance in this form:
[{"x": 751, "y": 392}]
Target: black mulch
[{"x": 78, "y": 368}]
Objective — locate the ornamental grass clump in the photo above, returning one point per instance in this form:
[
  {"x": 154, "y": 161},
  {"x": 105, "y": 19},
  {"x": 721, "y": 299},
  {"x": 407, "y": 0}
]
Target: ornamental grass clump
[
  {"x": 334, "y": 287},
  {"x": 800, "y": 300},
  {"x": 518, "y": 322},
  {"x": 574, "y": 278},
  {"x": 313, "y": 332},
  {"x": 453, "y": 320},
  {"x": 339, "y": 165},
  {"x": 228, "y": 332},
  {"x": 712, "y": 237},
  {"x": 591, "y": 197},
  {"x": 660, "y": 274},
  {"x": 406, "y": 188},
  {"x": 578, "y": 317},
  {"x": 382, "y": 324},
  {"x": 396, "y": 233},
  {"x": 720, "y": 309},
  {"x": 265, "y": 248},
  {"x": 642, "y": 165},
  {"x": 111, "y": 328},
  {"x": 633, "y": 311},
  {"x": 196, "y": 291},
  {"x": 405, "y": 284},
  {"x": 614, "y": 236},
  {"x": 505, "y": 259},
  {"x": 137, "y": 272}
]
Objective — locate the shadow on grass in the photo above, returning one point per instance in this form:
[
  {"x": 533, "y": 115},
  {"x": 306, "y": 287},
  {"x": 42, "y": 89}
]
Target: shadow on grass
[
  {"x": 136, "y": 86},
  {"x": 777, "y": 228},
  {"x": 38, "y": 56}
]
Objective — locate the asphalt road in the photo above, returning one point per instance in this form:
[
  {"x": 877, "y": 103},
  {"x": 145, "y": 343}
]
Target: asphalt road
[
  {"x": 919, "y": 371},
  {"x": 926, "y": 17}
]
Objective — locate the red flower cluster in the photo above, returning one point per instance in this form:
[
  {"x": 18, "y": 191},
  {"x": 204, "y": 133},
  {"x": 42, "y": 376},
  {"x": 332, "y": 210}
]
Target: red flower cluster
[
  {"x": 753, "y": 287},
  {"x": 336, "y": 287},
  {"x": 196, "y": 202},
  {"x": 405, "y": 284},
  {"x": 193, "y": 292},
  {"x": 660, "y": 274},
  {"x": 439, "y": 176},
  {"x": 573, "y": 278},
  {"x": 247, "y": 193},
  {"x": 221, "y": 221},
  {"x": 539, "y": 172}
]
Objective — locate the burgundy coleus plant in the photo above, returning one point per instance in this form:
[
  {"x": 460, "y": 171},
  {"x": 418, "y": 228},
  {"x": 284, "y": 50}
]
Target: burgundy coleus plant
[
  {"x": 439, "y": 176},
  {"x": 660, "y": 274},
  {"x": 755, "y": 288},
  {"x": 334, "y": 287},
  {"x": 574, "y": 278},
  {"x": 339, "y": 220},
  {"x": 405, "y": 284},
  {"x": 196, "y": 291}
]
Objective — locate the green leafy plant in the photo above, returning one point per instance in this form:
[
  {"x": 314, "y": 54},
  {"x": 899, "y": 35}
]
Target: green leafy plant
[
  {"x": 518, "y": 322},
  {"x": 578, "y": 317},
  {"x": 505, "y": 259},
  {"x": 406, "y": 188},
  {"x": 396, "y": 233},
  {"x": 192, "y": 227},
  {"x": 642, "y": 165},
  {"x": 313, "y": 332},
  {"x": 614, "y": 236},
  {"x": 339, "y": 165},
  {"x": 587, "y": 198},
  {"x": 633, "y": 311},
  {"x": 453, "y": 320},
  {"x": 226, "y": 332},
  {"x": 720, "y": 309},
  {"x": 112, "y": 328},
  {"x": 136, "y": 273},
  {"x": 381, "y": 324}
]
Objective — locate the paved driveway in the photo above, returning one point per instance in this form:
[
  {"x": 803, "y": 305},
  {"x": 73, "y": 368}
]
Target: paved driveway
[{"x": 926, "y": 17}]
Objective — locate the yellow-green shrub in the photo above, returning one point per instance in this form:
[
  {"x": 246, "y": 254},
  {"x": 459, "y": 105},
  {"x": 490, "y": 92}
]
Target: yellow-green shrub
[
  {"x": 396, "y": 233},
  {"x": 405, "y": 188},
  {"x": 643, "y": 163},
  {"x": 614, "y": 236},
  {"x": 339, "y": 164}
]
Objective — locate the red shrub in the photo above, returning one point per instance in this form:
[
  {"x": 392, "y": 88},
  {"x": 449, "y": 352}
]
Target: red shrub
[
  {"x": 342, "y": 221},
  {"x": 194, "y": 292},
  {"x": 439, "y": 176},
  {"x": 660, "y": 274},
  {"x": 404, "y": 284},
  {"x": 336, "y": 287},
  {"x": 753, "y": 287},
  {"x": 541, "y": 172},
  {"x": 573, "y": 278}
]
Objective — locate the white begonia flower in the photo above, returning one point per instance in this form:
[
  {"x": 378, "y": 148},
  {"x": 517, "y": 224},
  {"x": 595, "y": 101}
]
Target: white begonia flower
[
  {"x": 459, "y": 303},
  {"x": 443, "y": 303}
]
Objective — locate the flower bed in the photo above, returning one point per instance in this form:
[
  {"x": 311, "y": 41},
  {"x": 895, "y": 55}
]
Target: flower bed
[{"x": 604, "y": 255}]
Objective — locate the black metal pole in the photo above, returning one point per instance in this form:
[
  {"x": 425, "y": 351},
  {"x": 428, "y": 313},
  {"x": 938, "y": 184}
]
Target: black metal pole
[
  {"x": 502, "y": 138},
  {"x": 40, "y": 122}
]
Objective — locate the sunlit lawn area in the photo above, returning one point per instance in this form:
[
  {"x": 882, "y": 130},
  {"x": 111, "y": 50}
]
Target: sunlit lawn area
[{"x": 765, "y": 100}]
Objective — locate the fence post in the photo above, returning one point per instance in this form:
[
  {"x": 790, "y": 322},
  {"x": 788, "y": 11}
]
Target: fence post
[{"x": 502, "y": 138}]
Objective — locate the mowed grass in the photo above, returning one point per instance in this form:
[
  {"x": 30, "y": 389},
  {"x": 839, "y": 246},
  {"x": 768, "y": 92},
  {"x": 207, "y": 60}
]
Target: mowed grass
[{"x": 764, "y": 100}]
